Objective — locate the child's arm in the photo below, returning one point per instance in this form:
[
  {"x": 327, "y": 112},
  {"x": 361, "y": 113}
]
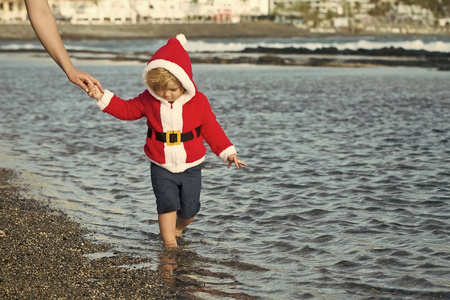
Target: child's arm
[
  {"x": 94, "y": 92},
  {"x": 216, "y": 138},
  {"x": 234, "y": 159},
  {"x": 127, "y": 110}
]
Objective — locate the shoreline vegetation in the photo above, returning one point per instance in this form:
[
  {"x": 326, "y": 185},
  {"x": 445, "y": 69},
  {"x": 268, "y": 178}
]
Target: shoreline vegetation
[
  {"x": 325, "y": 57},
  {"x": 42, "y": 256}
]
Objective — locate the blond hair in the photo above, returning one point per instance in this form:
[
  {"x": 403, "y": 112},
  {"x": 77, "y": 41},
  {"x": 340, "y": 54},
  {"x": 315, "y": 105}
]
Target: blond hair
[{"x": 158, "y": 78}]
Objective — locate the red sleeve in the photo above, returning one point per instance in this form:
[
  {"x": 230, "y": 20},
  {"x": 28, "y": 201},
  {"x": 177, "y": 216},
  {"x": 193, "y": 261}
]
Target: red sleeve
[
  {"x": 211, "y": 130},
  {"x": 128, "y": 110}
]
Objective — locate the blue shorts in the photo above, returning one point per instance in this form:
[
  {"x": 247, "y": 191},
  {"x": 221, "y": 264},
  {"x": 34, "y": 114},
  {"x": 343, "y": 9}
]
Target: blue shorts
[{"x": 178, "y": 192}]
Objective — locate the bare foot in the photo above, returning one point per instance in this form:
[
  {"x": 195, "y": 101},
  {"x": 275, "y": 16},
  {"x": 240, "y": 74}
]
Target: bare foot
[
  {"x": 170, "y": 246},
  {"x": 178, "y": 233},
  {"x": 2, "y": 234}
]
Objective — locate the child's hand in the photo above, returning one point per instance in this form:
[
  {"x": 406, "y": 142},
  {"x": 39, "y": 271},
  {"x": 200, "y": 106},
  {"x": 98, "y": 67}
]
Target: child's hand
[
  {"x": 234, "y": 159},
  {"x": 94, "y": 91}
]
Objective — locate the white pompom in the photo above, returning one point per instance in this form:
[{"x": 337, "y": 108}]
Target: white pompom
[{"x": 182, "y": 39}]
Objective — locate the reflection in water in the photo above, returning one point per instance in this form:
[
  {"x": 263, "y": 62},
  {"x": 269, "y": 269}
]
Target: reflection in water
[
  {"x": 167, "y": 264},
  {"x": 190, "y": 276}
]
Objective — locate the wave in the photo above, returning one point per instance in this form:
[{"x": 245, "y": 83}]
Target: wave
[
  {"x": 436, "y": 46},
  {"x": 238, "y": 45}
]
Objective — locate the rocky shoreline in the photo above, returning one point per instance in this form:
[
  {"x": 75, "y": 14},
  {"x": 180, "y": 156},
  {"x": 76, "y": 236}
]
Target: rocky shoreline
[
  {"x": 325, "y": 57},
  {"x": 42, "y": 257}
]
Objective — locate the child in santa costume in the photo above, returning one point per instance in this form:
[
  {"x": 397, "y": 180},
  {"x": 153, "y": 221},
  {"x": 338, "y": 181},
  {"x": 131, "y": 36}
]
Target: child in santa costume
[{"x": 179, "y": 118}]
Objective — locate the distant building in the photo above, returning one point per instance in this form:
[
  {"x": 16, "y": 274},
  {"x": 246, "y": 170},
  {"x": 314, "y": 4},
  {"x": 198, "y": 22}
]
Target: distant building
[
  {"x": 140, "y": 11},
  {"x": 12, "y": 11},
  {"x": 326, "y": 14},
  {"x": 414, "y": 14},
  {"x": 444, "y": 22}
]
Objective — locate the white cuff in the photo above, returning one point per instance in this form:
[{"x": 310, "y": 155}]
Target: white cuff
[
  {"x": 104, "y": 101},
  {"x": 227, "y": 152}
]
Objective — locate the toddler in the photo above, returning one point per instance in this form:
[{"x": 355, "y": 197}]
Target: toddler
[{"x": 179, "y": 118}]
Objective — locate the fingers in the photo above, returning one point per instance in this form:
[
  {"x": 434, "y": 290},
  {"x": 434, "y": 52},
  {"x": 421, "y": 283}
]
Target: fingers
[
  {"x": 83, "y": 79},
  {"x": 81, "y": 84},
  {"x": 98, "y": 84},
  {"x": 91, "y": 93},
  {"x": 241, "y": 163},
  {"x": 90, "y": 85},
  {"x": 237, "y": 162},
  {"x": 94, "y": 91}
]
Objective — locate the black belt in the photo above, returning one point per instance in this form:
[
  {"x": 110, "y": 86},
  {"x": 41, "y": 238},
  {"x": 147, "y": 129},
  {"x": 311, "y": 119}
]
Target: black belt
[{"x": 172, "y": 138}]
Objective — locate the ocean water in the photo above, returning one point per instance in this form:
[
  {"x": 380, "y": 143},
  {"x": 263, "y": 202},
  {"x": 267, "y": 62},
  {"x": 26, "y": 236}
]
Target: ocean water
[
  {"x": 428, "y": 43},
  {"x": 346, "y": 195}
]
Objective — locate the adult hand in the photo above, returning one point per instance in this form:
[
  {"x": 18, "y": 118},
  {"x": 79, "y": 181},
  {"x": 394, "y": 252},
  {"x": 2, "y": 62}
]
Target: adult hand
[{"x": 82, "y": 79}]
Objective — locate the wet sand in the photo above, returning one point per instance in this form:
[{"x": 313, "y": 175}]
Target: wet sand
[{"x": 42, "y": 257}]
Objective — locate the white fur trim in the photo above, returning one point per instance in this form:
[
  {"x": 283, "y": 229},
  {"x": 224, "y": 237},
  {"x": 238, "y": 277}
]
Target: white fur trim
[
  {"x": 179, "y": 168},
  {"x": 104, "y": 101},
  {"x": 172, "y": 119},
  {"x": 176, "y": 70},
  {"x": 182, "y": 39},
  {"x": 227, "y": 152}
]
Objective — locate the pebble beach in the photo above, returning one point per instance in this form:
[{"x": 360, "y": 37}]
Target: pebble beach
[{"x": 43, "y": 256}]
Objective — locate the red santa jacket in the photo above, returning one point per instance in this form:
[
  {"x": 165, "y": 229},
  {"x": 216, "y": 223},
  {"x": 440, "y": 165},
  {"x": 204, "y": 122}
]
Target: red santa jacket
[
  {"x": 189, "y": 112},
  {"x": 180, "y": 116}
]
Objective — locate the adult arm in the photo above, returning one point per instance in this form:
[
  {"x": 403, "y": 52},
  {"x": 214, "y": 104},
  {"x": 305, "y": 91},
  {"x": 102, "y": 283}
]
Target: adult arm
[{"x": 44, "y": 25}]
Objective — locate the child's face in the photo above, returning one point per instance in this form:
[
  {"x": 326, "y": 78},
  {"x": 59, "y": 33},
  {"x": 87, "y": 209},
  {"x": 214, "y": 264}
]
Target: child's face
[{"x": 172, "y": 92}]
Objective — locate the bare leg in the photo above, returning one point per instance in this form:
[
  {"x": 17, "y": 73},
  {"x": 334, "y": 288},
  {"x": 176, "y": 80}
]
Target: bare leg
[
  {"x": 167, "y": 223},
  {"x": 181, "y": 224}
]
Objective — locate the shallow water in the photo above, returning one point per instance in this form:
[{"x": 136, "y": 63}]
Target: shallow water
[{"x": 345, "y": 197}]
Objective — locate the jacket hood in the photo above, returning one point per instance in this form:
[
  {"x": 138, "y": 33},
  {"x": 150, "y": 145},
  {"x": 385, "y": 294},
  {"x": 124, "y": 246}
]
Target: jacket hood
[{"x": 175, "y": 59}]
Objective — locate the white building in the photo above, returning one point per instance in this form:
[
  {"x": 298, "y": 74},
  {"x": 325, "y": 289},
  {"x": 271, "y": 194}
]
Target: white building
[
  {"x": 444, "y": 22},
  {"x": 156, "y": 11},
  {"x": 172, "y": 11},
  {"x": 12, "y": 11},
  {"x": 89, "y": 12},
  {"x": 415, "y": 13}
]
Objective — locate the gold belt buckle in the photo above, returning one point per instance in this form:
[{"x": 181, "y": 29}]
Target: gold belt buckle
[{"x": 178, "y": 142}]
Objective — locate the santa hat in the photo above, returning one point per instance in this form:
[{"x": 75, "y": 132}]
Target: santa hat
[{"x": 174, "y": 58}]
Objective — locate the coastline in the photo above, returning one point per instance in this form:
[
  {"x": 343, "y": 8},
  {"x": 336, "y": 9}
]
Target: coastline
[
  {"x": 156, "y": 31},
  {"x": 191, "y": 30},
  {"x": 325, "y": 57},
  {"x": 43, "y": 256}
]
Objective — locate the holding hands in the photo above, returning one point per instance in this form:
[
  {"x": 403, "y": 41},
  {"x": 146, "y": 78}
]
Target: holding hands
[
  {"x": 94, "y": 91},
  {"x": 82, "y": 79}
]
